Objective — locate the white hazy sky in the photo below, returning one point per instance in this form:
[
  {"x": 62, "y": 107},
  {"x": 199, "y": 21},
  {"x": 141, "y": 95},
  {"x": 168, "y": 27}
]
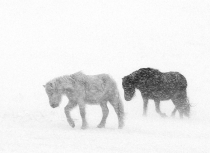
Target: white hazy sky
[
  {"x": 41, "y": 40},
  {"x": 44, "y": 39}
]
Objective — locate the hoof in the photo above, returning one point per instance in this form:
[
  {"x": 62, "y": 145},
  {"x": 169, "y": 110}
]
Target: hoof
[
  {"x": 71, "y": 124},
  {"x": 144, "y": 115},
  {"x": 101, "y": 126},
  {"x": 84, "y": 127},
  {"x": 173, "y": 115},
  {"x": 121, "y": 125},
  {"x": 163, "y": 115}
]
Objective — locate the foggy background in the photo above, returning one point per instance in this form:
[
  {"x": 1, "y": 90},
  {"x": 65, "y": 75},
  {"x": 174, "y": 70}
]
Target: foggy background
[{"x": 41, "y": 40}]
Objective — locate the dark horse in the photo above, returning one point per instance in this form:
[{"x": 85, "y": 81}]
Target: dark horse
[{"x": 158, "y": 86}]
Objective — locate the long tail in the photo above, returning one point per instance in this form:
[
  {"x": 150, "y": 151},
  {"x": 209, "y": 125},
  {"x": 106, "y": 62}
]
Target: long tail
[
  {"x": 185, "y": 103},
  {"x": 186, "y": 99},
  {"x": 186, "y": 106},
  {"x": 121, "y": 109},
  {"x": 120, "y": 113},
  {"x": 188, "y": 102}
]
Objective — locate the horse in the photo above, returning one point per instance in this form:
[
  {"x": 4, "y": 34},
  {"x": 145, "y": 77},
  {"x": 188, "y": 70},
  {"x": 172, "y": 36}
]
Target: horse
[
  {"x": 158, "y": 86},
  {"x": 82, "y": 89}
]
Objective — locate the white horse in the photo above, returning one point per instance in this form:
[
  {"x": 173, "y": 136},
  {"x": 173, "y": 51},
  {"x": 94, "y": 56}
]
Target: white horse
[{"x": 83, "y": 89}]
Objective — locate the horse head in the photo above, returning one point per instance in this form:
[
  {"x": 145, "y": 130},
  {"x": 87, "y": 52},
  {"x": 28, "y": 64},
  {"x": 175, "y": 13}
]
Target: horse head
[
  {"x": 129, "y": 88},
  {"x": 53, "y": 93}
]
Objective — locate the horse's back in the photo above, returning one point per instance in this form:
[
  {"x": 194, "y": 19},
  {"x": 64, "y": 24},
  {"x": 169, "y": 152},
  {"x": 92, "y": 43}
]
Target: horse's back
[
  {"x": 162, "y": 86},
  {"x": 174, "y": 80},
  {"x": 95, "y": 87}
]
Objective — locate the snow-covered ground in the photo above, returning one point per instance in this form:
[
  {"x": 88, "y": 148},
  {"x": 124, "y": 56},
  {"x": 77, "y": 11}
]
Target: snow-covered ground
[{"x": 40, "y": 40}]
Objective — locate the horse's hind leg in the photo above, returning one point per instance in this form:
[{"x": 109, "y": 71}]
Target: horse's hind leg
[
  {"x": 157, "y": 107},
  {"x": 174, "y": 112},
  {"x": 178, "y": 103},
  {"x": 67, "y": 110},
  {"x": 119, "y": 109},
  {"x": 105, "y": 112},
  {"x": 180, "y": 114}
]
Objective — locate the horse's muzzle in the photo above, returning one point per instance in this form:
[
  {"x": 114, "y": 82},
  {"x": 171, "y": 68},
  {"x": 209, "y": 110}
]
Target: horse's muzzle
[
  {"x": 127, "y": 98},
  {"x": 53, "y": 105}
]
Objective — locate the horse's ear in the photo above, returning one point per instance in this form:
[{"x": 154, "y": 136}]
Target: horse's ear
[{"x": 48, "y": 85}]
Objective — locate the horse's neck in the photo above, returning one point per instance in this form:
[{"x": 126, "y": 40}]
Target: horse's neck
[
  {"x": 64, "y": 83},
  {"x": 138, "y": 80},
  {"x": 134, "y": 76}
]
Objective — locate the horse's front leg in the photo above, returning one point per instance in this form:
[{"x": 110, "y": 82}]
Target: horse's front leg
[
  {"x": 157, "y": 107},
  {"x": 67, "y": 110},
  {"x": 105, "y": 112},
  {"x": 83, "y": 115},
  {"x": 180, "y": 113},
  {"x": 145, "y": 100}
]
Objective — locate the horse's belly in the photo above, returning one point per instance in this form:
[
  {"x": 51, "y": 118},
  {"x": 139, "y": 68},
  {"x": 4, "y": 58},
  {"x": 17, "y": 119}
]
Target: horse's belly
[
  {"x": 93, "y": 98},
  {"x": 92, "y": 102},
  {"x": 161, "y": 95}
]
